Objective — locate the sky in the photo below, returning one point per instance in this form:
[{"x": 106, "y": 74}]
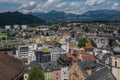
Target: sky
[{"x": 68, "y": 6}]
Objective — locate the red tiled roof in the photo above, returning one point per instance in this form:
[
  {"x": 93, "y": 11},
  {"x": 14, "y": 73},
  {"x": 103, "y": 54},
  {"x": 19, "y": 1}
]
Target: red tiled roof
[
  {"x": 89, "y": 45},
  {"x": 89, "y": 56},
  {"x": 80, "y": 51},
  {"x": 75, "y": 59}
]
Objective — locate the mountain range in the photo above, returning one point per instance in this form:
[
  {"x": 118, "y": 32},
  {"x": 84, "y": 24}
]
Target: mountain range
[
  {"x": 11, "y": 18},
  {"x": 95, "y": 15}
]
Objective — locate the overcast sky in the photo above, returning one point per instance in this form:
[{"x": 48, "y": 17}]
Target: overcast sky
[{"x": 68, "y": 6}]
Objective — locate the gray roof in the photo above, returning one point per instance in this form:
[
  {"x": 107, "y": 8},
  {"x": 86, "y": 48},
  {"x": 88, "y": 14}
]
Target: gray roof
[
  {"x": 86, "y": 64},
  {"x": 50, "y": 66},
  {"x": 34, "y": 63},
  {"x": 100, "y": 71},
  {"x": 102, "y": 74}
]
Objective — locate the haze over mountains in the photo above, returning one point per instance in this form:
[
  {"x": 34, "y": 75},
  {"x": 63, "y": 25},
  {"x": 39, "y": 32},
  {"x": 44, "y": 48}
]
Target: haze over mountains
[
  {"x": 96, "y": 15},
  {"x": 11, "y": 18}
]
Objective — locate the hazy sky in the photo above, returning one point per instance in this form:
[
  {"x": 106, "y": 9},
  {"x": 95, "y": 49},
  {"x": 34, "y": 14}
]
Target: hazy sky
[{"x": 69, "y": 6}]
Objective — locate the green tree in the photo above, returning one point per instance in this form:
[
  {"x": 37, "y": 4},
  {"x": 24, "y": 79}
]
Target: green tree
[
  {"x": 82, "y": 42},
  {"x": 36, "y": 74},
  {"x": 112, "y": 42},
  {"x": 93, "y": 43}
]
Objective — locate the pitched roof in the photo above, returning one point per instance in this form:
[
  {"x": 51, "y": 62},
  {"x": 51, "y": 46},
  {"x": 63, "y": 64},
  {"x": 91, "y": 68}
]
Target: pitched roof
[
  {"x": 10, "y": 67},
  {"x": 102, "y": 74},
  {"x": 75, "y": 59},
  {"x": 89, "y": 45},
  {"x": 80, "y": 51},
  {"x": 87, "y": 57}
]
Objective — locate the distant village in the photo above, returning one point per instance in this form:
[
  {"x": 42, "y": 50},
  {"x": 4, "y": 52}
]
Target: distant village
[{"x": 73, "y": 51}]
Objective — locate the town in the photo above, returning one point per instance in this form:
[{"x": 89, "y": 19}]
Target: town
[{"x": 70, "y": 51}]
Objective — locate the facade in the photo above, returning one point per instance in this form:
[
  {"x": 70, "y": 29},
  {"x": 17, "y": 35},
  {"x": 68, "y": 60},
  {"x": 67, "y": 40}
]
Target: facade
[
  {"x": 51, "y": 71},
  {"x": 115, "y": 60},
  {"x": 75, "y": 73},
  {"x": 43, "y": 56},
  {"x": 55, "y": 53},
  {"x": 102, "y": 42},
  {"x": 64, "y": 73},
  {"x": 26, "y": 53},
  {"x": 56, "y": 74},
  {"x": 89, "y": 70}
]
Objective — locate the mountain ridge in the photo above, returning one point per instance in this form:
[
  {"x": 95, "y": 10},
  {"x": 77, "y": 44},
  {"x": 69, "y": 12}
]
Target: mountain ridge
[
  {"x": 12, "y": 18},
  {"x": 94, "y": 15}
]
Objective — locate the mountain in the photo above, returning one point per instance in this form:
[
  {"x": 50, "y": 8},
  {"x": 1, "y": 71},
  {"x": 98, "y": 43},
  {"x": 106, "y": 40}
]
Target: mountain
[
  {"x": 95, "y": 15},
  {"x": 11, "y": 18},
  {"x": 101, "y": 15},
  {"x": 56, "y": 16}
]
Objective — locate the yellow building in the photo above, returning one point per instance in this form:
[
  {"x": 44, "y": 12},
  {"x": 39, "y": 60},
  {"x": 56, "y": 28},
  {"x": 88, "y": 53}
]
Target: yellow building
[
  {"x": 115, "y": 59},
  {"x": 75, "y": 73},
  {"x": 48, "y": 75},
  {"x": 38, "y": 40}
]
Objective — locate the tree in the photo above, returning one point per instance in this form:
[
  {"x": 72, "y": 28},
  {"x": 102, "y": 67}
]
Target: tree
[
  {"x": 36, "y": 74},
  {"x": 112, "y": 42},
  {"x": 82, "y": 42},
  {"x": 93, "y": 43}
]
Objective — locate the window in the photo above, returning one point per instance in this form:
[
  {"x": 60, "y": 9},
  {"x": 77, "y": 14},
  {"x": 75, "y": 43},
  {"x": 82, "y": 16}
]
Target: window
[{"x": 115, "y": 63}]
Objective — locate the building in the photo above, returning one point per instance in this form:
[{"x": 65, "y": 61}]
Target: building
[
  {"x": 56, "y": 52},
  {"x": 8, "y": 27},
  {"x": 115, "y": 62},
  {"x": 64, "y": 73},
  {"x": 11, "y": 68},
  {"x": 42, "y": 56},
  {"x": 26, "y": 53},
  {"x": 102, "y": 42},
  {"x": 51, "y": 71},
  {"x": 89, "y": 70}
]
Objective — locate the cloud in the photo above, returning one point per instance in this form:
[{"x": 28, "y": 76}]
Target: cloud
[
  {"x": 69, "y": 6},
  {"x": 27, "y": 7},
  {"x": 116, "y": 6},
  {"x": 96, "y": 2}
]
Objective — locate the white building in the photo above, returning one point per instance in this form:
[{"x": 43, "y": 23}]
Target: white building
[
  {"x": 8, "y": 27},
  {"x": 16, "y": 26},
  {"x": 64, "y": 73},
  {"x": 55, "y": 53},
  {"x": 24, "y": 26},
  {"x": 65, "y": 46},
  {"x": 26, "y": 53}
]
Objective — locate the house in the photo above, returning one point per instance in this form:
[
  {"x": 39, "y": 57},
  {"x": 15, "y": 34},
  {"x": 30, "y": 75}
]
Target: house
[
  {"x": 115, "y": 62},
  {"x": 51, "y": 71},
  {"x": 83, "y": 55},
  {"x": 64, "y": 60},
  {"x": 8, "y": 27},
  {"x": 102, "y": 42},
  {"x": 89, "y": 70},
  {"x": 89, "y": 48}
]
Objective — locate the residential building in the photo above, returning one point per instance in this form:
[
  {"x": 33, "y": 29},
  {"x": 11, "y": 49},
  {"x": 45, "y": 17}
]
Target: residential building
[
  {"x": 42, "y": 56},
  {"x": 115, "y": 62},
  {"x": 89, "y": 70}
]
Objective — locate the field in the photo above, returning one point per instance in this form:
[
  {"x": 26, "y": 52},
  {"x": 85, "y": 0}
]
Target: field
[{"x": 3, "y": 35}]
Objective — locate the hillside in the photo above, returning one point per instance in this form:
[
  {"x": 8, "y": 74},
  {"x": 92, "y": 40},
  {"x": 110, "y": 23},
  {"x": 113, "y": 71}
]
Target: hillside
[
  {"x": 95, "y": 15},
  {"x": 11, "y": 18}
]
